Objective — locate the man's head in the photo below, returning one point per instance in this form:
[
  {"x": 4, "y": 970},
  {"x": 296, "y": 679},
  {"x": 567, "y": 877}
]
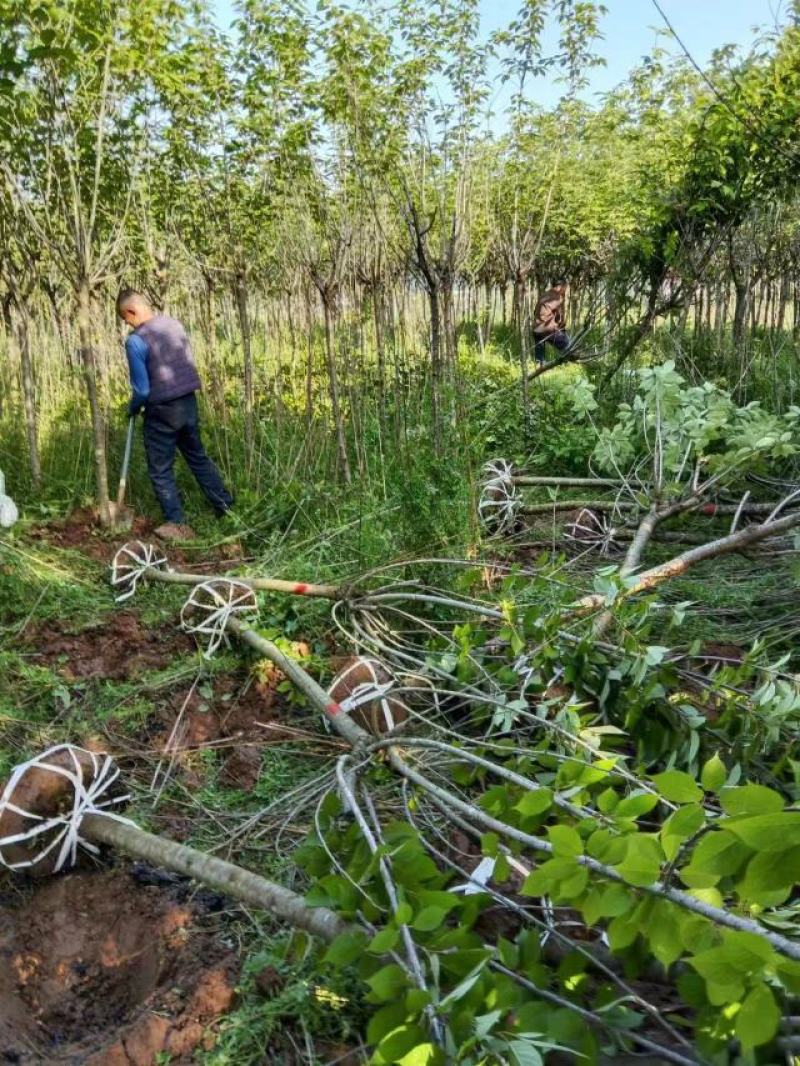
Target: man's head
[
  {"x": 133, "y": 308},
  {"x": 561, "y": 284}
]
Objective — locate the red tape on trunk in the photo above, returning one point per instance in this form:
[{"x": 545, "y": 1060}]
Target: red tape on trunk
[
  {"x": 333, "y": 708},
  {"x": 709, "y": 508},
  {"x": 301, "y": 589}
]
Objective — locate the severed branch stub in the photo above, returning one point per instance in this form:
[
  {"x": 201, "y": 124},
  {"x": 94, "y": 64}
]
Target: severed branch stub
[{"x": 59, "y": 802}]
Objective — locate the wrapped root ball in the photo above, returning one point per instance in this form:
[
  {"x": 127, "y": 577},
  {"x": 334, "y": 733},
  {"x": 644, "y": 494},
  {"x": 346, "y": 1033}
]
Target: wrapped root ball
[
  {"x": 39, "y": 815},
  {"x": 362, "y": 688}
]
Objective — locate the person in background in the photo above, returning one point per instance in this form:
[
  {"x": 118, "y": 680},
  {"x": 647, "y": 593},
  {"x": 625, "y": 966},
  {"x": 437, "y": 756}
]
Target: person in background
[
  {"x": 164, "y": 381},
  {"x": 548, "y": 320}
]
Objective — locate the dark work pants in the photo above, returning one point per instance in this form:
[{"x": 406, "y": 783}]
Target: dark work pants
[
  {"x": 172, "y": 425},
  {"x": 560, "y": 341}
]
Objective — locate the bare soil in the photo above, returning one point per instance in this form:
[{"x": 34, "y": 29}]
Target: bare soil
[
  {"x": 106, "y": 969},
  {"x": 232, "y": 719},
  {"x": 82, "y": 531},
  {"x": 118, "y": 648}
]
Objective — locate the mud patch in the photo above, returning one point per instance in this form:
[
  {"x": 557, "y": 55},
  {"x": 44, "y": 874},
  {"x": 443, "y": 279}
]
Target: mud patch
[
  {"x": 118, "y": 649},
  {"x": 101, "y": 969}
]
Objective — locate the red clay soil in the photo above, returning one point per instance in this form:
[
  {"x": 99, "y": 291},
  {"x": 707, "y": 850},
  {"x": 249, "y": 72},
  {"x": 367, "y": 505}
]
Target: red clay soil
[
  {"x": 232, "y": 719},
  {"x": 82, "y": 531},
  {"x": 117, "y": 649},
  {"x": 101, "y": 969}
]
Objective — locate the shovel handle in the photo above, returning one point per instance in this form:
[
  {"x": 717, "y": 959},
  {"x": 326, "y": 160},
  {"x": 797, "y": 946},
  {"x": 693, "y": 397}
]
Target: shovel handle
[{"x": 126, "y": 462}]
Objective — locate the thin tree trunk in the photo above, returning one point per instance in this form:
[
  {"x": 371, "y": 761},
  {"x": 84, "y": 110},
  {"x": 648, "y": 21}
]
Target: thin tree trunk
[
  {"x": 436, "y": 366},
  {"x": 90, "y": 376},
  {"x": 333, "y": 382},
  {"x": 742, "y": 293},
  {"x": 247, "y": 351},
  {"x": 380, "y": 346},
  {"x": 29, "y": 396}
]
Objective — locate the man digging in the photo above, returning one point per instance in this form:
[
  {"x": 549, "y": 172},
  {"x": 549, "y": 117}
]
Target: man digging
[
  {"x": 164, "y": 381},
  {"x": 548, "y": 321}
]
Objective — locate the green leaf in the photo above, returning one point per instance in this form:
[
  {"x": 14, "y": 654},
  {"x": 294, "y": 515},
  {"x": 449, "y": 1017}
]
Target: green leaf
[
  {"x": 525, "y": 1053},
  {"x": 464, "y": 987},
  {"x": 770, "y": 877},
  {"x": 655, "y": 654},
  {"x": 384, "y": 940},
  {"x": 750, "y": 800},
  {"x": 400, "y": 1042},
  {"x": 642, "y": 863},
  {"x": 346, "y": 948},
  {"x": 502, "y": 869},
  {"x": 565, "y": 840},
  {"x": 606, "y": 901},
  {"x": 428, "y": 919},
  {"x": 717, "y": 855},
  {"x": 723, "y": 983},
  {"x": 767, "y": 832},
  {"x": 535, "y": 802},
  {"x": 387, "y": 983},
  {"x": 635, "y": 805},
  {"x": 623, "y": 931},
  {"x": 606, "y": 846},
  {"x": 748, "y": 953},
  {"x": 713, "y": 775},
  {"x": 562, "y": 877},
  {"x": 663, "y": 933},
  {"x": 423, "y": 1055},
  {"x": 404, "y": 914},
  {"x": 484, "y": 1023},
  {"x": 680, "y": 826},
  {"x": 758, "y": 1020},
  {"x": 678, "y": 787},
  {"x": 384, "y": 1021}
]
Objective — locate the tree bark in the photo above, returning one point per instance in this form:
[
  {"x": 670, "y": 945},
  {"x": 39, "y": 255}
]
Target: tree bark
[
  {"x": 333, "y": 383},
  {"x": 215, "y": 873},
  {"x": 240, "y": 290},
  {"x": 83, "y": 295},
  {"x": 29, "y": 396}
]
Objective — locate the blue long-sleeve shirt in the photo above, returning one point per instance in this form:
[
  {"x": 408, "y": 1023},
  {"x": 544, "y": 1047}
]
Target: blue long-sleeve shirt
[{"x": 138, "y": 354}]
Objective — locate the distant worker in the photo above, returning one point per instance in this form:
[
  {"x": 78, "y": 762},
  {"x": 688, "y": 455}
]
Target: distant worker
[
  {"x": 548, "y": 320},
  {"x": 164, "y": 381}
]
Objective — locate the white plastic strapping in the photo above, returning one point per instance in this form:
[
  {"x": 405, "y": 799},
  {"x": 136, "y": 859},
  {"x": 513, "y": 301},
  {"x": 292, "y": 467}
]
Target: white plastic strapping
[
  {"x": 366, "y": 691},
  {"x": 87, "y": 798},
  {"x": 131, "y": 563},
  {"x": 593, "y": 530},
  {"x": 214, "y": 602},
  {"x": 500, "y": 501}
]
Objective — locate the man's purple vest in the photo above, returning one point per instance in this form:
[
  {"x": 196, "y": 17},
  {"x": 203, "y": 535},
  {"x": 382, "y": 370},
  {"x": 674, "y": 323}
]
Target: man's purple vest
[{"x": 170, "y": 366}]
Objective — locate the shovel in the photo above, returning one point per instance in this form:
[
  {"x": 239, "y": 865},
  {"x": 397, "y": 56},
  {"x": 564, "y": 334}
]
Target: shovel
[{"x": 122, "y": 516}]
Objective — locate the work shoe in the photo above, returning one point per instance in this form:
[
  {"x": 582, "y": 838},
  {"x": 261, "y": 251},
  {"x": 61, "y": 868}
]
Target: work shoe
[{"x": 171, "y": 531}]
